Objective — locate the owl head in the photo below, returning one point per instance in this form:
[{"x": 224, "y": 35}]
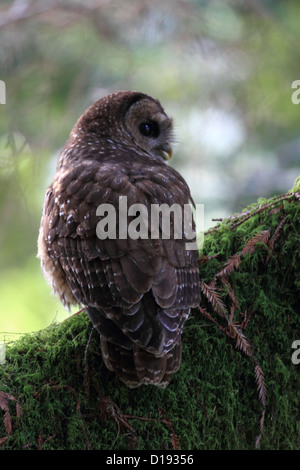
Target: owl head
[{"x": 127, "y": 119}]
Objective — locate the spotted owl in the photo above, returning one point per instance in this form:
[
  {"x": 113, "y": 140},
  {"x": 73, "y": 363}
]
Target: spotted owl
[{"x": 137, "y": 288}]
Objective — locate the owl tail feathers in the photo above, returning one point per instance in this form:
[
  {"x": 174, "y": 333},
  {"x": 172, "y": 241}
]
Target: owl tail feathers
[{"x": 137, "y": 366}]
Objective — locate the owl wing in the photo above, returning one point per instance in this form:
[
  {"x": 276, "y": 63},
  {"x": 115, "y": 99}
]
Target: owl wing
[{"x": 135, "y": 290}]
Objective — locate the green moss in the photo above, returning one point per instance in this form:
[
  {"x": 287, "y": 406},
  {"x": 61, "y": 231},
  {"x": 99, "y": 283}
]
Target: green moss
[{"x": 63, "y": 397}]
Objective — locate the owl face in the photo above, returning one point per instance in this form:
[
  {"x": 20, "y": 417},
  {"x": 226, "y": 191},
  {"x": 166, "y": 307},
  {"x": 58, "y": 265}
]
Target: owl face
[{"x": 150, "y": 128}]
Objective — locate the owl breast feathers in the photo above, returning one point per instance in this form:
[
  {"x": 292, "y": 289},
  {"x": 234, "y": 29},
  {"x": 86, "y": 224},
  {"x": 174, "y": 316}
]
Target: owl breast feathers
[{"x": 137, "y": 289}]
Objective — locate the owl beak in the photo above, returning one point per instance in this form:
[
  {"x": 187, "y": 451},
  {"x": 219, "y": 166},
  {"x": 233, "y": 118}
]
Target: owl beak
[{"x": 167, "y": 153}]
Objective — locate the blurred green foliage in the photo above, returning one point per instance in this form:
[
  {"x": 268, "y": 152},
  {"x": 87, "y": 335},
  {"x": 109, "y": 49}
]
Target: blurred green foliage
[{"x": 222, "y": 69}]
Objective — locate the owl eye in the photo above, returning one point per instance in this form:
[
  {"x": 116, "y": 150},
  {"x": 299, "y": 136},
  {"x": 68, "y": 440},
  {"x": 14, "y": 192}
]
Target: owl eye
[{"x": 149, "y": 129}]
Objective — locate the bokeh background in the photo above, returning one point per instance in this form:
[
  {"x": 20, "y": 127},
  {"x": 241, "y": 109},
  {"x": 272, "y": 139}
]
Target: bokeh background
[{"x": 223, "y": 69}]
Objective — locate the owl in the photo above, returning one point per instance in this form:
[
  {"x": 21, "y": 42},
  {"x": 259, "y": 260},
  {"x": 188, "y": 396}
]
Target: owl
[{"x": 137, "y": 286}]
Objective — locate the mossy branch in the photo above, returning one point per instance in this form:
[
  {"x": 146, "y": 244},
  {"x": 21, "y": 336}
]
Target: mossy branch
[{"x": 55, "y": 392}]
